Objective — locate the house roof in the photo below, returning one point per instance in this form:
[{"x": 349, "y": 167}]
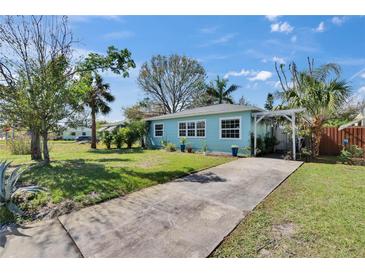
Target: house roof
[{"x": 214, "y": 109}]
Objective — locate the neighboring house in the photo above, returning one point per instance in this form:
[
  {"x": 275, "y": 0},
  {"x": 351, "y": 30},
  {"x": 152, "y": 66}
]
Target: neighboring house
[
  {"x": 111, "y": 126},
  {"x": 219, "y": 126},
  {"x": 73, "y": 133}
]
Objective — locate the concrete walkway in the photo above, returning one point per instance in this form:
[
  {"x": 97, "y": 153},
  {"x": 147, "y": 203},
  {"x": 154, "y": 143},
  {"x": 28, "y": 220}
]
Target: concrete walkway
[{"x": 188, "y": 217}]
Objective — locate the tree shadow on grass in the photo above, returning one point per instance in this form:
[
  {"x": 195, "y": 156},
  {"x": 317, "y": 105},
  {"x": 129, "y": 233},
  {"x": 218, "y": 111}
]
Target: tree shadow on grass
[
  {"x": 114, "y": 151},
  {"x": 92, "y": 182}
]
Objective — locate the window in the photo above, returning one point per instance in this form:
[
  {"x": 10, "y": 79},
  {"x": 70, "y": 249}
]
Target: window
[
  {"x": 192, "y": 129},
  {"x": 230, "y": 128},
  {"x": 73, "y": 133},
  {"x": 83, "y": 133},
  {"x": 182, "y": 129},
  {"x": 158, "y": 130},
  {"x": 200, "y": 129}
]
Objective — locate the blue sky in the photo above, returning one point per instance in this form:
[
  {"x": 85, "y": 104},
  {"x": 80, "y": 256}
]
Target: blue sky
[{"x": 241, "y": 48}]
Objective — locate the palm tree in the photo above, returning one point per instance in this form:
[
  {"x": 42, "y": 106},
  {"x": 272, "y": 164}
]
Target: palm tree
[
  {"x": 319, "y": 91},
  {"x": 97, "y": 99},
  {"x": 218, "y": 91}
]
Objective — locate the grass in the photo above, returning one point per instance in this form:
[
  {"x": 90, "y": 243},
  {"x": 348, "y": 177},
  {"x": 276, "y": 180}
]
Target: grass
[
  {"x": 87, "y": 176},
  {"x": 319, "y": 211}
]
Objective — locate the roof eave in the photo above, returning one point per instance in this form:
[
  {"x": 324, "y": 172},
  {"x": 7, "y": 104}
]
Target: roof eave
[{"x": 253, "y": 109}]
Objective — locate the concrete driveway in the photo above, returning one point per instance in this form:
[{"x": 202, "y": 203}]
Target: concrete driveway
[{"x": 188, "y": 217}]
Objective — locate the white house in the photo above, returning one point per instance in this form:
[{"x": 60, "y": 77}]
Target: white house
[{"x": 73, "y": 133}]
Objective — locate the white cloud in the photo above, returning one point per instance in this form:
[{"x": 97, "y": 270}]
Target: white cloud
[
  {"x": 272, "y": 18},
  {"x": 293, "y": 39},
  {"x": 320, "y": 27},
  {"x": 261, "y": 76},
  {"x": 251, "y": 75},
  {"x": 362, "y": 75},
  {"x": 281, "y": 27},
  {"x": 118, "y": 35},
  {"x": 279, "y": 60},
  {"x": 338, "y": 20},
  {"x": 242, "y": 72}
]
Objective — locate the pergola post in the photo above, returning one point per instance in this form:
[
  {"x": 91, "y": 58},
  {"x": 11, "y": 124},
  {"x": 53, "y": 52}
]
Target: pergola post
[
  {"x": 293, "y": 134},
  {"x": 255, "y": 136}
]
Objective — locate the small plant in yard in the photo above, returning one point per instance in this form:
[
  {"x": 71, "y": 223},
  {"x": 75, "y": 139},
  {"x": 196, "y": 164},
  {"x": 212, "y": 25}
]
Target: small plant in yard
[
  {"x": 351, "y": 155},
  {"x": 20, "y": 146},
  {"x": 234, "y": 150},
  {"x": 9, "y": 188},
  {"x": 305, "y": 154},
  {"x": 164, "y": 143},
  {"x": 118, "y": 138},
  {"x": 189, "y": 147},
  {"x": 182, "y": 144},
  {"x": 170, "y": 147},
  {"x": 246, "y": 151},
  {"x": 204, "y": 147},
  {"x": 107, "y": 139}
]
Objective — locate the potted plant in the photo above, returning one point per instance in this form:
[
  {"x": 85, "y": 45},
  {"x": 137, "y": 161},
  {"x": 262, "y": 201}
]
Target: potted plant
[
  {"x": 234, "y": 150},
  {"x": 189, "y": 147},
  {"x": 182, "y": 144}
]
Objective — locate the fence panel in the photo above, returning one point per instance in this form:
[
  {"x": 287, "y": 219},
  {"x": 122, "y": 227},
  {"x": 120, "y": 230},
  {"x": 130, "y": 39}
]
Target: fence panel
[{"x": 333, "y": 139}]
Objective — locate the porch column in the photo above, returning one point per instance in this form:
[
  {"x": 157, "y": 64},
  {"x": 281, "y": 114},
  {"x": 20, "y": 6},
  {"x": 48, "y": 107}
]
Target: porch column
[{"x": 293, "y": 134}]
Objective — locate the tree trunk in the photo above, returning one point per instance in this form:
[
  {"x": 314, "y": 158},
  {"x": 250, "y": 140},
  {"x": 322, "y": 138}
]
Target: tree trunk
[
  {"x": 45, "y": 148},
  {"x": 316, "y": 141},
  {"x": 93, "y": 128},
  {"x": 35, "y": 145}
]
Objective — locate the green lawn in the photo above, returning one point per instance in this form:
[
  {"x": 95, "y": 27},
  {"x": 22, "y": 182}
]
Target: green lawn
[
  {"x": 319, "y": 211},
  {"x": 84, "y": 176}
]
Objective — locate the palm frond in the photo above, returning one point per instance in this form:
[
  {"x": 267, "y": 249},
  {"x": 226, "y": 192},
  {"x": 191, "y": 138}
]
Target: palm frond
[{"x": 231, "y": 89}]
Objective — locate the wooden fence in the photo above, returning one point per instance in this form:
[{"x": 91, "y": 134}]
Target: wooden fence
[{"x": 333, "y": 140}]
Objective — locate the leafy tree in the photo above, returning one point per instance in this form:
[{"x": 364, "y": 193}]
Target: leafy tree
[
  {"x": 37, "y": 74},
  {"x": 219, "y": 91},
  {"x": 172, "y": 81},
  {"x": 319, "y": 90},
  {"x": 97, "y": 98},
  {"x": 269, "y": 104},
  {"x": 34, "y": 59}
]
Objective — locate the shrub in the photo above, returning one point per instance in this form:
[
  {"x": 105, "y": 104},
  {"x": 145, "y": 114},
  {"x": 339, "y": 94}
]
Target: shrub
[
  {"x": 107, "y": 139},
  {"x": 8, "y": 188},
  {"x": 129, "y": 135},
  {"x": 118, "y": 138},
  {"x": 164, "y": 143},
  {"x": 20, "y": 146},
  {"x": 269, "y": 143},
  {"x": 170, "y": 147},
  {"x": 349, "y": 154}
]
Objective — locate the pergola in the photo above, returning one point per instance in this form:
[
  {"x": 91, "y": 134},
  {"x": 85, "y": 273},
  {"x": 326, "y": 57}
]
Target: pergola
[{"x": 287, "y": 113}]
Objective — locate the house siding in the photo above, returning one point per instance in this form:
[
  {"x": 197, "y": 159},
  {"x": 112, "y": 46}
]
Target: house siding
[{"x": 212, "y": 134}]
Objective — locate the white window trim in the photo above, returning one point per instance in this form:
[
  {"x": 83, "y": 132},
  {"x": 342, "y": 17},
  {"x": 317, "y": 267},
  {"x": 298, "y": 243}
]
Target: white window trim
[
  {"x": 154, "y": 130},
  {"x": 186, "y": 130},
  {"x": 230, "y": 118}
]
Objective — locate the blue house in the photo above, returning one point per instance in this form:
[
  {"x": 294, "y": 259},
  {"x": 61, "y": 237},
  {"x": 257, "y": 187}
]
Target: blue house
[{"x": 218, "y": 126}]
